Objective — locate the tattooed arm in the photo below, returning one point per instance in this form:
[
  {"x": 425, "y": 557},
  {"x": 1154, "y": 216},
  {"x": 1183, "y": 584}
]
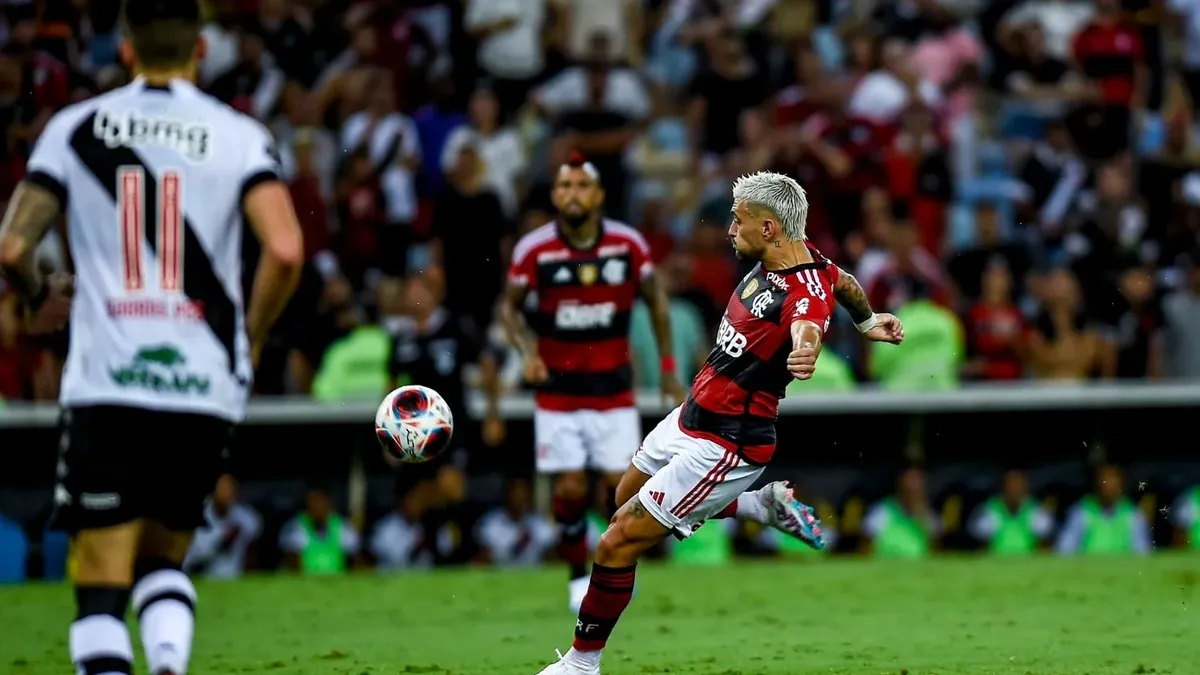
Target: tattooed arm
[
  {"x": 851, "y": 295},
  {"x": 874, "y": 327},
  {"x": 31, "y": 211}
]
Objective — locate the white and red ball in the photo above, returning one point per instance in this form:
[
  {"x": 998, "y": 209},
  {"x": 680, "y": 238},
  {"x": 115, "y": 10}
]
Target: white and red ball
[{"x": 414, "y": 424}]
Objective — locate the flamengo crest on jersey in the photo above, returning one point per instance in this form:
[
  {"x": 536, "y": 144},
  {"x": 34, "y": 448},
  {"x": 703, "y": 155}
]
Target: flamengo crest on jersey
[
  {"x": 582, "y": 301},
  {"x": 152, "y": 180},
  {"x": 735, "y": 398}
]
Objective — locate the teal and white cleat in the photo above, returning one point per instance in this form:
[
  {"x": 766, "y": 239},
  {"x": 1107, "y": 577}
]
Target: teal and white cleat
[{"x": 790, "y": 515}]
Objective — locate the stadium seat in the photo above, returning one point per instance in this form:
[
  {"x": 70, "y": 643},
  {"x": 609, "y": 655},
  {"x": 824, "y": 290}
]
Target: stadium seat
[
  {"x": 55, "y": 546},
  {"x": 14, "y": 551}
]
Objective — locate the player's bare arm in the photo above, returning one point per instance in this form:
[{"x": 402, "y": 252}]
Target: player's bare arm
[
  {"x": 273, "y": 218},
  {"x": 660, "y": 318},
  {"x": 806, "y": 346},
  {"x": 518, "y": 332},
  {"x": 874, "y": 327},
  {"x": 493, "y": 424},
  {"x": 32, "y": 210}
]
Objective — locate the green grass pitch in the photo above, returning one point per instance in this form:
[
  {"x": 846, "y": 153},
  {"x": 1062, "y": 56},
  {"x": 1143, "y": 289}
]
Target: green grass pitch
[{"x": 952, "y": 617}]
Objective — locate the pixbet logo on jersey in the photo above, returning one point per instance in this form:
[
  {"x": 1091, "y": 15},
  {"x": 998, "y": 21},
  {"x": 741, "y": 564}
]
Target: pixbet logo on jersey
[{"x": 583, "y": 317}]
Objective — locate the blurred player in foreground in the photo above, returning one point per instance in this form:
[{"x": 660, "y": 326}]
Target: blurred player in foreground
[
  {"x": 585, "y": 272},
  {"x": 153, "y": 178},
  {"x": 699, "y": 462}
]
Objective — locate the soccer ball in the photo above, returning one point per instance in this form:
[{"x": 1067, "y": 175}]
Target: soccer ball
[{"x": 414, "y": 424}]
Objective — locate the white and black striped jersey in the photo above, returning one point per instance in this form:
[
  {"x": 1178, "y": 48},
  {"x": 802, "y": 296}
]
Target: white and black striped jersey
[{"x": 153, "y": 180}]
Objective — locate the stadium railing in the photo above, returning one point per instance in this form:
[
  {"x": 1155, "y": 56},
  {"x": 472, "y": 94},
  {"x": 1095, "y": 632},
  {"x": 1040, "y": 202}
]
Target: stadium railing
[
  {"x": 970, "y": 399},
  {"x": 844, "y": 449}
]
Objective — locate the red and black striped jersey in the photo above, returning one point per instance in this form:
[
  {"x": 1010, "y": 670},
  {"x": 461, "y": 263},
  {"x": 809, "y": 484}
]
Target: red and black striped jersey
[
  {"x": 580, "y": 312},
  {"x": 735, "y": 399}
]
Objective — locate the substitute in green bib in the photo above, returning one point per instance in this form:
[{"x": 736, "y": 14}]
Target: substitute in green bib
[
  {"x": 318, "y": 540},
  {"x": 1105, "y": 522},
  {"x": 904, "y": 525},
  {"x": 1185, "y": 517},
  {"x": 1011, "y": 522}
]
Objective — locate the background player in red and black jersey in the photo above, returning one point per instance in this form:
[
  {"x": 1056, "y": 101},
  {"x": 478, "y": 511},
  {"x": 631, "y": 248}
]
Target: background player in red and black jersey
[
  {"x": 699, "y": 462},
  {"x": 583, "y": 274}
]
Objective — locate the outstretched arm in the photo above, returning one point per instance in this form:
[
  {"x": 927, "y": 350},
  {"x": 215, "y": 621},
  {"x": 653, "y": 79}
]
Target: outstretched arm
[{"x": 875, "y": 327}]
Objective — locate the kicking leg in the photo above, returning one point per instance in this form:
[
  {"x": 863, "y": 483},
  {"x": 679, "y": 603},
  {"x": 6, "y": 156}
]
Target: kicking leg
[
  {"x": 164, "y": 600},
  {"x": 99, "y": 639},
  {"x": 775, "y": 504}
]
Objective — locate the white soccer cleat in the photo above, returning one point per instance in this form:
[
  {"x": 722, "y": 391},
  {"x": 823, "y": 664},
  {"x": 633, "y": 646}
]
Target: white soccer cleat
[
  {"x": 564, "y": 667},
  {"x": 576, "y": 589},
  {"x": 791, "y": 516}
]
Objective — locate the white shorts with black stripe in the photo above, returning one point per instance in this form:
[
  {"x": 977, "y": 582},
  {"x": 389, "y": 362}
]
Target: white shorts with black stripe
[{"x": 691, "y": 479}]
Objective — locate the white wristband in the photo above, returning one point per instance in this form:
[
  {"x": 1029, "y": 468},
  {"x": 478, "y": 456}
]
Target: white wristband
[{"x": 868, "y": 324}]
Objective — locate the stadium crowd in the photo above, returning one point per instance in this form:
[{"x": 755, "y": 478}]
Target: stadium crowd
[
  {"x": 1017, "y": 177},
  {"x": 1018, "y": 180}
]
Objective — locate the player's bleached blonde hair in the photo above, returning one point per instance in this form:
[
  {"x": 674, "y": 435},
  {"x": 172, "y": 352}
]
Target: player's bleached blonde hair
[{"x": 779, "y": 194}]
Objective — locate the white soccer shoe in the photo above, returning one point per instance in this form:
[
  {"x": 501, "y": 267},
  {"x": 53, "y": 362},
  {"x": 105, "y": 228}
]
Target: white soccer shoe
[
  {"x": 791, "y": 516},
  {"x": 564, "y": 667},
  {"x": 576, "y": 589}
]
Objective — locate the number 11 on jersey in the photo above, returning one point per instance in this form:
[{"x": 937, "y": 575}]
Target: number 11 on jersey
[{"x": 131, "y": 209}]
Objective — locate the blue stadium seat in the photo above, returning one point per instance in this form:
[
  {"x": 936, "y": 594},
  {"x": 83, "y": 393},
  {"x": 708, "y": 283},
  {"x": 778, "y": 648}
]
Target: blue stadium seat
[{"x": 14, "y": 550}]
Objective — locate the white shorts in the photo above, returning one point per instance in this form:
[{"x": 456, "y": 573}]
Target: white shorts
[
  {"x": 601, "y": 440},
  {"x": 691, "y": 479}
]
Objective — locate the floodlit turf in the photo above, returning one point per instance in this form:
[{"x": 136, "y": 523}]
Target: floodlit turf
[{"x": 953, "y": 617}]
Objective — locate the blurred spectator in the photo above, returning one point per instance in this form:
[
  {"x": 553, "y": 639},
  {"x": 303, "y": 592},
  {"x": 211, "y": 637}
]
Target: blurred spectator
[
  {"x": 399, "y": 540},
  {"x": 1109, "y": 52},
  {"x": 354, "y": 364},
  {"x": 1105, "y": 521},
  {"x": 1181, "y": 313},
  {"x": 995, "y": 329},
  {"x": 1053, "y": 176},
  {"x": 252, "y": 86},
  {"x": 918, "y": 175},
  {"x": 15, "y": 369},
  {"x": 1012, "y": 523},
  {"x": 730, "y": 83},
  {"x": 598, "y": 108},
  {"x": 967, "y": 268},
  {"x": 500, "y": 148},
  {"x": 896, "y": 83},
  {"x": 933, "y": 350},
  {"x": 622, "y": 20},
  {"x": 224, "y": 547},
  {"x": 1057, "y": 20},
  {"x": 907, "y": 266},
  {"x": 511, "y": 53},
  {"x": 905, "y": 525},
  {"x": 1185, "y": 518},
  {"x": 469, "y": 230},
  {"x": 394, "y": 151},
  {"x": 317, "y": 540},
  {"x": 833, "y": 374},
  {"x": 1135, "y": 342},
  {"x": 515, "y": 534},
  {"x": 1063, "y": 342}
]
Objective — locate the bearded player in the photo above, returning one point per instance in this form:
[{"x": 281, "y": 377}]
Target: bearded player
[
  {"x": 699, "y": 462},
  {"x": 584, "y": 272}
]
